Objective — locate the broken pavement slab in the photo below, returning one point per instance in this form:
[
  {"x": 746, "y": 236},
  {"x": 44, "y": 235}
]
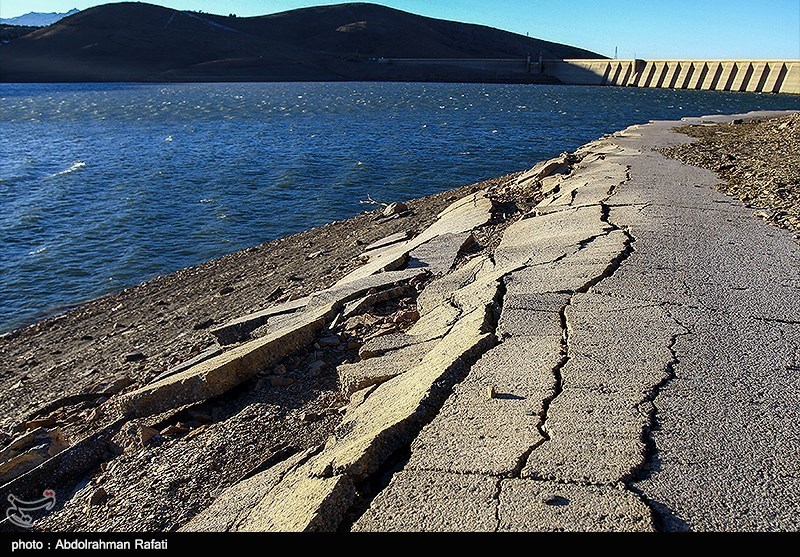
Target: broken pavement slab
[
  {"x": 433, "y": 502},
  {"x": 534, "y": 506}
]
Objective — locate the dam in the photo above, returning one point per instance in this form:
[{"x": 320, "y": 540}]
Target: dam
[
  {"x": 758, "y": 76},
  {"x": 755, "y": 76}
]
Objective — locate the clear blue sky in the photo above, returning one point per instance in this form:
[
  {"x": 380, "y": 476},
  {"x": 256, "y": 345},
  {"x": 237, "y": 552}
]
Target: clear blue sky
[{"x": 645, "y": 28}]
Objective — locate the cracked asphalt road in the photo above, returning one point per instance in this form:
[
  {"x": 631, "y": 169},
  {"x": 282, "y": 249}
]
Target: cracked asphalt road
[
  {"x": 624, "y": 356},
  {"x": 648, "y": 348}
]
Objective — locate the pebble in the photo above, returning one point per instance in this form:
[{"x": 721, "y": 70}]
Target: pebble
[
  {"x": 205, "y": 324},
  {"x": 279, "y": 369},
  {"x": 281, "y": 381},
  {"x": 310, "y": 416},
  {"x": 146, "y": 433},
  {"x": 554, "y": 500},
  {"x": 175, "y": 429},
  {"x": 395, "y": 208},
  {"x": 490, "y": 391},
  {"x": 98, "y": 496},
  {"x": 134, "y": 357},
  {"x": 316, "y": 367}
]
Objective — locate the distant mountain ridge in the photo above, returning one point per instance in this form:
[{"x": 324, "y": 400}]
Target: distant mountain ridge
[
  {"x": 37, "y": 19},
  {"x": 142, "y": 42}
]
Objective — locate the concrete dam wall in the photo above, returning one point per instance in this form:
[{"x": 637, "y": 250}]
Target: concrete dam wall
[{"x": 767, "y": 76}]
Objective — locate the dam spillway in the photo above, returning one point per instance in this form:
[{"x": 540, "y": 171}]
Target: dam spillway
[{"x": 759, "y": 76}]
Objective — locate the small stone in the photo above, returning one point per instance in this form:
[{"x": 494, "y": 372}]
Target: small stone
[
  {"x": 97, "y": 497},
  {"x": 134, "y": 357},
  {"x": 554, "y": 500},
  {"x": 294, "y": 277},
  {"x": 225, "y": 290},
  {"x": 309, "y": 416},
  {"x": 175, "y": 429},
  {"x": 146, "y": 433},
  {"x": 316, "y": 367},
  {"x": 406, "y": 316},
  {"x": 395, "y": 208},
  {"x": 205, "y": 324},
  {"x": 117, "y": 384},
  {"x": 314, "y": 255},
  {"x": 279, "y": 369},
  {"x": 281, "y": 381},
  {"x": 737, "y": 121},
  {"x": 354, "y": 345},
  {"x": 44, "y": 422},
  {"x": 329, "y": 341},
  {"x": 490, "y": 391},
  {"x": 274, "y": 294},
  {"x": 87, "y": 337}
]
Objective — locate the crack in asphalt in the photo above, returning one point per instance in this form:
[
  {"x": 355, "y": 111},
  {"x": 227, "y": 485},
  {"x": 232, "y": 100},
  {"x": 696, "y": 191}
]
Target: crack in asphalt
[{"x": 646, "y": 467}]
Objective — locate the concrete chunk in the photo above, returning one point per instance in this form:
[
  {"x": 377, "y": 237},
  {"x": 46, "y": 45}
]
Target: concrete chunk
[
  {"x": 236, "y": 503},
  {"x": 353, "y": 377},
  {"x": 238, "y": 329}
]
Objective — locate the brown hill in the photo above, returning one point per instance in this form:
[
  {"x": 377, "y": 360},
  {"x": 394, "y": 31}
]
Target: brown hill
[{"x": 142, "y": 42}]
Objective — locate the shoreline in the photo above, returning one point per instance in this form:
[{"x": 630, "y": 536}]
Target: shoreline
[{"x": 72, "y": 373}]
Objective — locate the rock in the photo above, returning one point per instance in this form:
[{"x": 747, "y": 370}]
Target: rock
[
  {"x": 281, "y": 381},
  {"x": 490, "y": 391},
  {"x": 97, "y": 497},
  {"x": 737, "y": 121},
  {"x": 310, "y": 416},
  {"x": 44, "y": 422},
  {"x": 316, "y": 367},
  {"x": 134, "y": 357},
  {"x": 117, "y": 384},
  {"x": 329, "y": 341},
  {"x": 279, "y": 369},
  {"x": 554, "y": 500},
  {"x": 225, "y": 290},
  {"x": 29, "y": 451},
  {"x": 146, "y": 433},
  {"x": 354, "y": 345},
  {"x": 175, "y": 429},
  {"x": 205, "y": 324},
  {"x": 395, "y": 209},
  {"x": 87, "y": 337},
  {"x": 314, "y": 255},
  {"x": 406, "y": 316},
  {"x": 277, "y": 291}
]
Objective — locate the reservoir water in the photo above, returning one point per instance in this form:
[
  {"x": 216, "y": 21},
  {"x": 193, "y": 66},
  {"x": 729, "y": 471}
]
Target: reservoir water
[{"x": 103, "y": 186}]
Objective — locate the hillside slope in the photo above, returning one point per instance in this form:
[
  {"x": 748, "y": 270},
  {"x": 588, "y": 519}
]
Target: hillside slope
[{"x": 142, "y": 42}]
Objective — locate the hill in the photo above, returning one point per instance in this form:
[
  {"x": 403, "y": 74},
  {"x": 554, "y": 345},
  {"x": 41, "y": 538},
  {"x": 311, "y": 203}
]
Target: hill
[
  {"x": 37, "y": 19},
  {"x": 142, "y": 42}
]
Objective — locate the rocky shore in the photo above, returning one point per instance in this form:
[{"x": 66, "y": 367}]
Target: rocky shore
[
  {"x": 147, "y": 406},
  {"x": 759, "y": 160}
]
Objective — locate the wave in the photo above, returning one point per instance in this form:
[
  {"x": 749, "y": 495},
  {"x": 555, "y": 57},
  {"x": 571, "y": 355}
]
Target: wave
[{"x": 75, "y": 166}]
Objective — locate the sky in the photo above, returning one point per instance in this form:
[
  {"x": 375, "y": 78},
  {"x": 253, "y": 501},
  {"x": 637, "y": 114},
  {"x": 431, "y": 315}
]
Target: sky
[{"x": 655, "y": 29}]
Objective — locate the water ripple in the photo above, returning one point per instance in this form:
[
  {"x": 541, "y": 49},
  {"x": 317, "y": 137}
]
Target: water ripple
[{"x": 105, "y": 185}]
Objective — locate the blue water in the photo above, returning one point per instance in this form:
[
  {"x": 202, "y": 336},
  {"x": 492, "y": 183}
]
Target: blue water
[{"x": 103, "y": 186}]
